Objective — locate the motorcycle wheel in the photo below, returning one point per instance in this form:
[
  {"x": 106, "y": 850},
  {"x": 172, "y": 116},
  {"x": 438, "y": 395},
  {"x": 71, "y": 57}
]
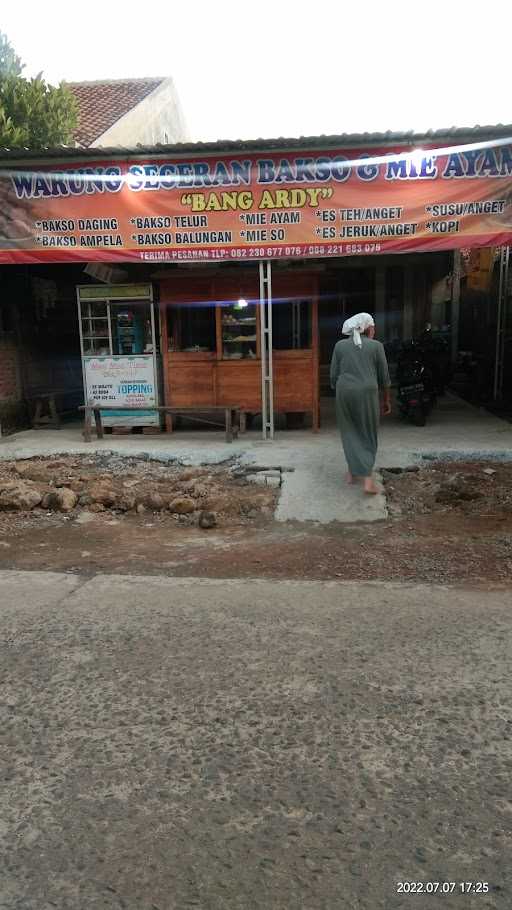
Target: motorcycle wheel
[{"x": 418, "y": 416}]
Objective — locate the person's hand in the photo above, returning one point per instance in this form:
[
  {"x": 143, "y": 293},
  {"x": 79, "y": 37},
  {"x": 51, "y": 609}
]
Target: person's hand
[{"x": 386, "y": 408}]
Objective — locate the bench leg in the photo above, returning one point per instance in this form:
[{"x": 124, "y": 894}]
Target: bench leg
[
  {"x": 243, "y": 421},
  {"x": 236, "y": 423},
  {"x": 87, "y": 424},
  {"x": 229, "y": 425},
  {"x": 99, "y": 424}
]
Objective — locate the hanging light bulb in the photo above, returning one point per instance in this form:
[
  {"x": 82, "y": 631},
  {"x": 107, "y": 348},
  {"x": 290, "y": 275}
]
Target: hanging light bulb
[{"x": 242, "y": 303}]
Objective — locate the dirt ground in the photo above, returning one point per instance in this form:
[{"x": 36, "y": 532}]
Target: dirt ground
[{"x": 449, "y": 522}]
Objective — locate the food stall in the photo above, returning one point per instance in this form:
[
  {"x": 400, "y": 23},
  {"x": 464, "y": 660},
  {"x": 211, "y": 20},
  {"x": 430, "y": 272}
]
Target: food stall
[
  {"x": 211, "y": 341},
  {"x": 119, "y": 351}
]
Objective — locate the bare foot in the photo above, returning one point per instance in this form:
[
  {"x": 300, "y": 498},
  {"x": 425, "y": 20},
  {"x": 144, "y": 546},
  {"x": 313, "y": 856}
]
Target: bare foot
[
  {"x": 370, "y": 487},
  {"x": 349, "y": 478}
]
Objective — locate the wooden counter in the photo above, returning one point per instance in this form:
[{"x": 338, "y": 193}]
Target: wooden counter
[
  {"x": 201, "y": 379},
  {"x": 206, "y": 378}
]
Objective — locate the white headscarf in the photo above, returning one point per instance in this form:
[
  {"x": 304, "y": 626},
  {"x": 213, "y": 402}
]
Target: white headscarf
[{"x": 356, "y": 326}]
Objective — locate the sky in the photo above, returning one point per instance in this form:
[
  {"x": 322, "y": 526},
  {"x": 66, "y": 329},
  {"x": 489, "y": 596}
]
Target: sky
[{"x": 249, "y": 70}]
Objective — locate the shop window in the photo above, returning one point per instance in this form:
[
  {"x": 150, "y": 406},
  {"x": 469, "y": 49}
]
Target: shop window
[
  {"x": 239, "y": 332},
  {"x": 291, "y": 324},
  {"x": 191, "y": 328}
]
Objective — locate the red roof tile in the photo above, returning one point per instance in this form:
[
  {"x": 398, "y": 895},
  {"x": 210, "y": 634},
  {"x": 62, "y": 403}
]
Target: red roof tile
[{"x": 103, "y": 103}]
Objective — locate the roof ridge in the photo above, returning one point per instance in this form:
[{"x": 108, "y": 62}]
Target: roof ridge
[
  {"x": 273, "y": 144},
  {"x": 124, "y": 81}
]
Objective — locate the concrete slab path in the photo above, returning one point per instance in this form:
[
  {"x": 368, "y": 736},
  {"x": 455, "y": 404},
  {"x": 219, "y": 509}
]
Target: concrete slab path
[{"x": 315, "y": 490}]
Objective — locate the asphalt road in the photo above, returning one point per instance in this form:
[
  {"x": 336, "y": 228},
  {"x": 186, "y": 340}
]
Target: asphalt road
[{"x": 176, "y": 743}]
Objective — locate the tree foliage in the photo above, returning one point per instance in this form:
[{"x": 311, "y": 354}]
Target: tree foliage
[
  {"x": 10, "y": 63},
  {"x": 33, "y": 114}
]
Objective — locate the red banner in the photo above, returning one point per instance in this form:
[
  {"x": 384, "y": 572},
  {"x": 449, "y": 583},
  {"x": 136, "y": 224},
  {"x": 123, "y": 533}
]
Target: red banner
[{"x": 280, "y": 205}]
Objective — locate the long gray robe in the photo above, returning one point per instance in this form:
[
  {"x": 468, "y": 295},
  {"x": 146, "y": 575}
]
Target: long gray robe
[{"x": 357, "y": 374}]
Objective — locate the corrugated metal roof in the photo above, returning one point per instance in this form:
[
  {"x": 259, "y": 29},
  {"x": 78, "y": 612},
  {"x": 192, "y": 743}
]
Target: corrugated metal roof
[
  {"x": 102, "y": 103},
  {"x": 343, "y": 140}
]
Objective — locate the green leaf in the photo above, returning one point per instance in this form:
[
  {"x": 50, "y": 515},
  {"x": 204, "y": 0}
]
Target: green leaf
[{"x": 34, "y": 114}]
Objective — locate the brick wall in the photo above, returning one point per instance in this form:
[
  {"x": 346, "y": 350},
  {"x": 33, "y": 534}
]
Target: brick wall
[
  {"x": 13, "y": 411},
  {"x": 9, "y": 370}
]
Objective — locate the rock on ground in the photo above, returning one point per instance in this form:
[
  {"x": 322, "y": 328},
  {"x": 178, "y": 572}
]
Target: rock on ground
[
  {"x": 129, "y": 485},
  {"x": 19, "y": 497},
  {"x": 102, "y": 493},
  {"x": 183, "y": 505},
  {"x": 207, "y": 520},
  {"x": 61, "y": 500}
]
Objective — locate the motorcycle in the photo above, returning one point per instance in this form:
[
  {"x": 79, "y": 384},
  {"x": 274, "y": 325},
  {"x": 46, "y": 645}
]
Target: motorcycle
[
  {"x": 435, "y": 353},
  {"x": 416, "y": 392}
]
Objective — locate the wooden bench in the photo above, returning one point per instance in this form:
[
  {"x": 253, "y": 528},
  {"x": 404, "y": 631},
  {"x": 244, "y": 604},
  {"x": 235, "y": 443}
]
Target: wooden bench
[
  {"x": 51, "y": 402},
  {"x": 231, "y": 417}
]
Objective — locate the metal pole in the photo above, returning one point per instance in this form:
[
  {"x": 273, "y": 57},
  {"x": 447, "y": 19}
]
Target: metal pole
[
  {"x": 500, "y": 322},
  {"x": 263, "y": 353},
  {"x": 80, "y": 330},
  {"x": 153, "y": 328},
  {"x": 380, "y": 301},
  {"x": 153, "y": 342},
  {"x": 455, "y": 307},
  {"x": 270, "y": 377},
  {"x": 267, "y": 378},
  {"x": 110, "y": 344},
  {"x": 505, "y": 315}
]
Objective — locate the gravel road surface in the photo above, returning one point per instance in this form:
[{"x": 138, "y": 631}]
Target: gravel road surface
[{"x": 229, "y": 745}]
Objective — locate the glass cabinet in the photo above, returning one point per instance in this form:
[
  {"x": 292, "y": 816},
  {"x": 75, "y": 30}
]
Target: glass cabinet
[
  {"x": 239, "y": 331},
  {"x": 119, "y": 322},
  {"x": 119, "y": 352},
  {"x": 96, "y": 328}
]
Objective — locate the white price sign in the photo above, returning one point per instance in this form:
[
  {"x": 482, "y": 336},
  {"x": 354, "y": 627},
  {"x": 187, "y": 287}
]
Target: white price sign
[{"x": 120, "y": 382}]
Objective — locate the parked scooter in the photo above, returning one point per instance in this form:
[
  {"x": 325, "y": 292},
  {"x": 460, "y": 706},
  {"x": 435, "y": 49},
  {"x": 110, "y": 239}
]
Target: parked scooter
[
  {"x": 435, "y": 353},
  {"x": 416, "y": 393}
]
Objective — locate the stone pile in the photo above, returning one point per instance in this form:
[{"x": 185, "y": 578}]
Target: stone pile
[{"x": 191, "y": 495}]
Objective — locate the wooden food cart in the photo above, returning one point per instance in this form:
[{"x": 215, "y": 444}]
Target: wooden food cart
[{"x": 211, "y": 342}]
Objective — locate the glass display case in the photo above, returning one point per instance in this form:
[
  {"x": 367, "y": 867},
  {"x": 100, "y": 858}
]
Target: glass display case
[
  {"x": 96, "y": 331},
  {"x": 239, "y": 331},
  {"x": 131, "y": 329},
  {"x": 119, "y": 352}
]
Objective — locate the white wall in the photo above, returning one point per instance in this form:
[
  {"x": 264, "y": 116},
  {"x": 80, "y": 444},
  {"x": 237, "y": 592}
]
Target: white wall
[{"x": 158, "y": 118}]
